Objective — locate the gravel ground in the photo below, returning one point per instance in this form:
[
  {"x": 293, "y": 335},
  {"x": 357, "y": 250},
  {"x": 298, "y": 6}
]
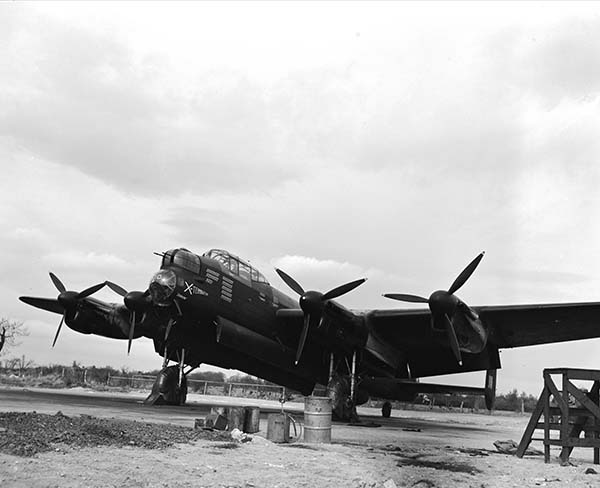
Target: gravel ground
[{"x": 26, "y": 434}]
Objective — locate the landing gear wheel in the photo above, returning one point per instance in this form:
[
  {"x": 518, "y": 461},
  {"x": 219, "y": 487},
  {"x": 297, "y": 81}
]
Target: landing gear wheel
[
  {"x": 166, "y": 390},
  {"x": 342, "y": 406},
  {"x": 386, "y": 410}
]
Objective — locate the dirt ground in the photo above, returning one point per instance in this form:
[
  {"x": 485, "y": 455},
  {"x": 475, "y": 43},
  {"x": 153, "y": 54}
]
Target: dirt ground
[
  {"x": 418, "y": 449},
  {"x": 260, "y": 463}
]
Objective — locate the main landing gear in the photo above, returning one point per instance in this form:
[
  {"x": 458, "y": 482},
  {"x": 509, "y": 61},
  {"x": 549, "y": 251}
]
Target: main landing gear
[
  {"x": 167, "y": 389},
  {"x": 342, "y": 391},
  {"x": 170, "y": 386}
]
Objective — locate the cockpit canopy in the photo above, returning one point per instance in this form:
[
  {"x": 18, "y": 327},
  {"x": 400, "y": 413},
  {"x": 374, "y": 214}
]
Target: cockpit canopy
[
  {"x": 236, "y": 266},
  {"x": 182, "y": 258},
  {"x": 191, "y": 262}
]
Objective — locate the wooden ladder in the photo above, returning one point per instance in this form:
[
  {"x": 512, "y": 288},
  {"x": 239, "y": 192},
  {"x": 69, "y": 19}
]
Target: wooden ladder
[{"x": 569, "y": 411}]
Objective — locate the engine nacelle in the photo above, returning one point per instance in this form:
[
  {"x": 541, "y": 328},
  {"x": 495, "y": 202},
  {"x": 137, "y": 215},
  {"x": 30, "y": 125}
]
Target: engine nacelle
[{"x": 342, "y": 329}]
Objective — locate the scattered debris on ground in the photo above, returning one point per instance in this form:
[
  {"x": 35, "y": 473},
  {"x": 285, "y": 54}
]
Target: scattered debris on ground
[
  {"x": 26, "y": 434},
  {"x": 510, "y": 447}
]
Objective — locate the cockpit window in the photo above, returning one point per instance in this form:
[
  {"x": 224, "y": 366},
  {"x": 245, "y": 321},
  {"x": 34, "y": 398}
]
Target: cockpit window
[
  {"x": 187, "y": 260},
  {"x": 245, "y": 271},
  {"x": 258, "y": 277},
  {"x": 236, "y": 266},
  {"x": 219, "y": 256}
]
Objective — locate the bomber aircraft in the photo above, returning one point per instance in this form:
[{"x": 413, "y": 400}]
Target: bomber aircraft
[{"x": 218, "y": 309}]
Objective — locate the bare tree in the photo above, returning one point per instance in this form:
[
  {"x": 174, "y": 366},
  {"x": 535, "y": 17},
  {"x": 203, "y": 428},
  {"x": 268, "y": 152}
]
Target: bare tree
[{"x": 10, "y": 332}]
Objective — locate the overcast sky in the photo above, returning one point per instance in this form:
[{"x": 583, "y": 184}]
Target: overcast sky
[{"x": 393, "y": 141}]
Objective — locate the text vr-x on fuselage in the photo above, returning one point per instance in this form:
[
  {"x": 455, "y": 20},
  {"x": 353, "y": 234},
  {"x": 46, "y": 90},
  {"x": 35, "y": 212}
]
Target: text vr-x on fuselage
[{"x": 218, "y": 309}]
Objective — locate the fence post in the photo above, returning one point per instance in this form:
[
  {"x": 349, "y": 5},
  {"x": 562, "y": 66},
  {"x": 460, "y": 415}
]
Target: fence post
[{"x": 205, "y": 386}]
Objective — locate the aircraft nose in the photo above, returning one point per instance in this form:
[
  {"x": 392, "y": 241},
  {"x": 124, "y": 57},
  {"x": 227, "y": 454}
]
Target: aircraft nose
[{"x": 162, "y": 287}]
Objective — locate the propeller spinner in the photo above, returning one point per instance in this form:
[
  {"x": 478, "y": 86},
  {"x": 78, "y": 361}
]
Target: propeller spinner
[
  {"x": 70, "y": 299},
  {"x": 313, "y": 302},
  {"x": 443, "y": 304}
]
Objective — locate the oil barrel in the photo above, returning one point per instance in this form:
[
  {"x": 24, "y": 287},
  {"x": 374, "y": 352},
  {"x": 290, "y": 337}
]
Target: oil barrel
[
  {"x": 235, "y": 417},
  {"x": 317, "y": 419},
  {"x": 252, "y": 420}
]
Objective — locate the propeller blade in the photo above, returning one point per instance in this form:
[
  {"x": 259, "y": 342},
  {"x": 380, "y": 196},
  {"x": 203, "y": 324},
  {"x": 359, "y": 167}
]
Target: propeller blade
[
  {"x": 178, "y": 307},
  {"x": 90, "y": 291},
  {"x": 62, "y": 319},
  {"x": 116, "y": 288},
  {"x": 465, "y": 274},
  {"x": 168, "y": 331},
  {"x": 131, "y": 331},
  {"x": 406, "y": 298},
  {"x": 57, "y": 283},
  {"x": 343, "y": 289},
  {"x": 291, "y": 282},
  {"x": 453, "y": 340},
  {"x": 302, "y": 338}
]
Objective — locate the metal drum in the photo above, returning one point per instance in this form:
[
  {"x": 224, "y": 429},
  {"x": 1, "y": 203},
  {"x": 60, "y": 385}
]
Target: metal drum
[
  {"x": 278, "y": 427},
  {"x": 252, "y": 420},
  {"x": 317, "y": 419},
  {"x": 235, "y": 418}
]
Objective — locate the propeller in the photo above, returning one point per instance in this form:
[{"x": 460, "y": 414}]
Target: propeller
[
  {"x": 136, "y": 301},
  {"x": 312, "y": 303},
  {"x": 69, "y": 299},
  {"x": 443, "y": 304}
]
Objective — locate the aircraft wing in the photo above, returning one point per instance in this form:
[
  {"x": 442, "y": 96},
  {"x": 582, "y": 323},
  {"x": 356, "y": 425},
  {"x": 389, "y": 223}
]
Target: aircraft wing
[
  {"x": 407, "y": 334},
  {"x": 528, "y": 325},
  {"x": 404, "y": 339},
  {"x": 403, "y": 329},
  {"x": 409, "y": 331},
  {"x": 92, "y": 316},
  {"x": 509, "y": 325},
  {"x": 48, "y": 304}
]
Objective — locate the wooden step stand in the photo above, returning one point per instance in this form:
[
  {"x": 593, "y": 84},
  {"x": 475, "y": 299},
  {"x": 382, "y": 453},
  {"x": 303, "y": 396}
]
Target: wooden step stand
[{"x": 568, "y": 419}]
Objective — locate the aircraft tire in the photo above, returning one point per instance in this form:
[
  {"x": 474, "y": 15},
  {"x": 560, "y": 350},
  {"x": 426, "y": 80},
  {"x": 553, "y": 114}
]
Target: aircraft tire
[{"x": 386, "y": 410}]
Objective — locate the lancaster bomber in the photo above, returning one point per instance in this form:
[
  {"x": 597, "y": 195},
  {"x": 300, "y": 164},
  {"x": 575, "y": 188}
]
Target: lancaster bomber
[{"x": 218, "y": 309}]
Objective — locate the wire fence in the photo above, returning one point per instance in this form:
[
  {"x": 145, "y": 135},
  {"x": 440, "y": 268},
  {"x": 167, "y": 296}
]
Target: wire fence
[
  {"x": 65, "y": 376},
  {"x": 202, "y": 387}
]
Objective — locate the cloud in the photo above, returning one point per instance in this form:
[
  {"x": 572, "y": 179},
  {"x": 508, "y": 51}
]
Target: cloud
[
  {"x": 85, "y": 260},
  {"x": 85, "y": 100},
  {"x": 307, "y": 264},
  {"x": 549, "y": 61}
]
